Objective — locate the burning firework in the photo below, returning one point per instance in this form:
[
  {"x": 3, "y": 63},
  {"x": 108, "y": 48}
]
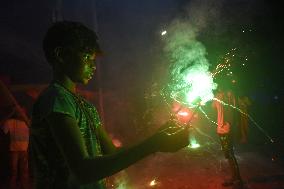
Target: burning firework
[
  {"x": 190, "y": 78},
  {"x": 191, "y": 84}
]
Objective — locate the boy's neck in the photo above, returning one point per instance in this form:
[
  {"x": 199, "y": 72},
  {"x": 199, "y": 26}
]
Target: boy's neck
[{"x": 66, "y": 82}]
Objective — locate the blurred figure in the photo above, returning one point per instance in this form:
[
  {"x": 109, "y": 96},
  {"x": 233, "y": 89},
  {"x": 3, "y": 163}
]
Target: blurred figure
[
  {"x": 225, "y": 121},
  {"x": 4, "y": 158},
  {"x": 244, "y": 103},
  {"x": 17, "y": 130}
]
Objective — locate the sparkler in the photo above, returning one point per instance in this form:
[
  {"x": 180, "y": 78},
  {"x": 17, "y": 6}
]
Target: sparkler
[
  {"x": 190, "y": 77},
  {"x": 191, "y": 83}
]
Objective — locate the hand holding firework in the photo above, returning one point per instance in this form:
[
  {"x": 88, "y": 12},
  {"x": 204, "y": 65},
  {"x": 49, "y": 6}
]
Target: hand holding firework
[{"x": 170, "y": 138}]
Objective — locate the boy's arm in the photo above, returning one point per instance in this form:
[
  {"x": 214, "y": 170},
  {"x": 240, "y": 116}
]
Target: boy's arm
[
  {"x": 105, "y": 141},
  {"x": 70, "y": 141}
]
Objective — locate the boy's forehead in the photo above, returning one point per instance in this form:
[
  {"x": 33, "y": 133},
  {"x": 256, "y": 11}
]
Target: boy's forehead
[
  {"x": 81, "y": 50},
  {"x": 91, "y": 51},
  {"x": 85, "y": 51},
  {"x": 91, "y": 55}
]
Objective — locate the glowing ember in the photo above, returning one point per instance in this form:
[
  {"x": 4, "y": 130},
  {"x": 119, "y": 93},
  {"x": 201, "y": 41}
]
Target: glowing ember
[
  {"x": 192, "y": 141},
  {"x": 153, "y": 182},
  {"x": 181, "y": 113},
  {"x": 194, "y": 145}
]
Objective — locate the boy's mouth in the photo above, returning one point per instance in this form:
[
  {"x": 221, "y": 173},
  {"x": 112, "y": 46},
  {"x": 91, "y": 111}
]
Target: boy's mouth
[{"x": 90, "y": 76}]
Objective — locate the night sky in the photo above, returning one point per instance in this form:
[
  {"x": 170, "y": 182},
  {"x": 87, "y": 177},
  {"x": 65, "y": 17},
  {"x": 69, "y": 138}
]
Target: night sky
[{"x": 130, "y": 35}]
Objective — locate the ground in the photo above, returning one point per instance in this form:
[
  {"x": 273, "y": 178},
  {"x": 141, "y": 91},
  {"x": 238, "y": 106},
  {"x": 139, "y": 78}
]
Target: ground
[{"x": 205, "y": 168}]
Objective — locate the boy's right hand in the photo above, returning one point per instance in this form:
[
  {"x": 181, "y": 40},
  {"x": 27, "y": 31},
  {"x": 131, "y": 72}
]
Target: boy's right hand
[{"x": 170, "y": 138}]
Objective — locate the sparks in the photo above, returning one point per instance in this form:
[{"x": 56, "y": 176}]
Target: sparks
[
  {"x": 250, "y": 118},
  {"x": 192, "y": 141},
  {"x": 227, "y": 63},
  {"x": 190, "y": 80}
]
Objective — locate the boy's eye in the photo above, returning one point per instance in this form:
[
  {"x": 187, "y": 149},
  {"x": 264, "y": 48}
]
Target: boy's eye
[{"x": 87, "y": 57}]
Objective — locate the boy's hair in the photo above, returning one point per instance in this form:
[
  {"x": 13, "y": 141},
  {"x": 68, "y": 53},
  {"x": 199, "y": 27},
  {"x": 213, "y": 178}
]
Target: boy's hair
[{"x": 68, "y": 34}]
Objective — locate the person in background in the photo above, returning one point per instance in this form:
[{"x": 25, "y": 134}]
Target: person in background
[
  {"x": 18, "y": 132},
  {"x": 225, "y": 121},
  {"x": 70, "y": 148},
  {"x": 243, "y": 104}
]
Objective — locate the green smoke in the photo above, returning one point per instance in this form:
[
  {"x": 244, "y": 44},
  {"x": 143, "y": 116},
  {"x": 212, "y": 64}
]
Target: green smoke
[{"x": 190, "y": 79}]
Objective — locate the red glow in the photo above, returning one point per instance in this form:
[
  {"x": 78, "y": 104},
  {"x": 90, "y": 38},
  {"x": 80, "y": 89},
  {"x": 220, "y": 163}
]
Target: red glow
[{"x": 183, "y": 114}]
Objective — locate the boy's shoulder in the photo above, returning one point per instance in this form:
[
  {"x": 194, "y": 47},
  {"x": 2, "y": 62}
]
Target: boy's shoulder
[
  {"x": 51, "y": 92},
  {"x": 54, "y": 98}
]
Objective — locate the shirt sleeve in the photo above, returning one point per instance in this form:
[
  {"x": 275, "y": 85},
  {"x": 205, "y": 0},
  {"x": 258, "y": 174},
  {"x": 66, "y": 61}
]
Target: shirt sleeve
[
  {"x": 54, "y": 100},
  {"x": 64, "y": 104}
]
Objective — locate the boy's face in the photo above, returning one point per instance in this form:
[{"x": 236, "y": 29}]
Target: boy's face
[{"x": 80, "y": 66}]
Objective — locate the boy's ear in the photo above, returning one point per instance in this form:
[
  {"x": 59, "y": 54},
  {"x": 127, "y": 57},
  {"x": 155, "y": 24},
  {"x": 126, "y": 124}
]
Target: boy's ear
[{"x": 58, "y": 53}]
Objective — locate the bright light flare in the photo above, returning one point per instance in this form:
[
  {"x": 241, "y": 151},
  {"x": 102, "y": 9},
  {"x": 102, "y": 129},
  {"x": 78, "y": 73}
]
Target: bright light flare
[
  {"x": 193, "y": 142},
  {"x": 201, "y": 87},
  {"x": 153, "y": 183},
  {"x": 181, "y": 113},
  {"x": 190, "y": 81},
  {"x": 194, "y": 145},
  {"x": 164, "y": 32}
]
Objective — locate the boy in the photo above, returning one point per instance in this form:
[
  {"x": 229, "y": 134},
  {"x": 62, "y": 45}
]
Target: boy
[{"x": 69, "y": 146}]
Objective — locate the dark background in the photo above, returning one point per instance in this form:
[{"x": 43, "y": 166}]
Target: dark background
[{"x": 129, "y": 33}]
